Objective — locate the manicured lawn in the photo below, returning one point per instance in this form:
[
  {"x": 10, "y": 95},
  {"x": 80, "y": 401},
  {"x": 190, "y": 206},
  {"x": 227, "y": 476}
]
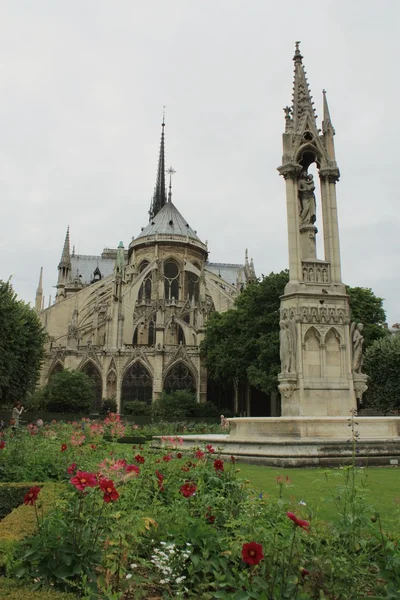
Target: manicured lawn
[{"x": 382, "y": 488}]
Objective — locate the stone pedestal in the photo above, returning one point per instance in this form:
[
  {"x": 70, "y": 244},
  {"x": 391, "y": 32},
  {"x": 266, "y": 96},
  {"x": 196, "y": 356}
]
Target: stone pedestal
[
  {"x": 320, "y": 381},
  {"x": 304, "y": 441}
]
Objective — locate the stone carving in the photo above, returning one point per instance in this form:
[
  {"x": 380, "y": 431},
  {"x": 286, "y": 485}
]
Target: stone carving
[
  {"x": 73, "y": 326},
  {"x": 316, "y": 272},
  {"x": 308, "y": 207},
  {"x": 287, "y": 389},
  {"x": 288, "y": 346},
  {"x": 318, "y": 314},
  {"x": 357, "y": 339}
]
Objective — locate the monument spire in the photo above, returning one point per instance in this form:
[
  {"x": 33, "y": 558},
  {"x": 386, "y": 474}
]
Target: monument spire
[
  {"x": 159, "y": 197},
  {"x": 326, "y": 120},
  {"x": 302, "y": 100}
]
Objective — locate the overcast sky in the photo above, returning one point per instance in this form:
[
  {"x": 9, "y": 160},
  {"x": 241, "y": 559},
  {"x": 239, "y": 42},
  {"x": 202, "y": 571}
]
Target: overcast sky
[{"x": 82, "y": 86}]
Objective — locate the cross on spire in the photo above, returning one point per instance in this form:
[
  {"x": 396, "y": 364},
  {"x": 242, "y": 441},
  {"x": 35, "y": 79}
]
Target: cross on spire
[{"x": 170, "y": 172}]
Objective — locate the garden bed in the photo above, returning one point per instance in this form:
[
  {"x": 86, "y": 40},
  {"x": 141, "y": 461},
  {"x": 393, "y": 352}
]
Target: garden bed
[{"x": 130, "y": 522}]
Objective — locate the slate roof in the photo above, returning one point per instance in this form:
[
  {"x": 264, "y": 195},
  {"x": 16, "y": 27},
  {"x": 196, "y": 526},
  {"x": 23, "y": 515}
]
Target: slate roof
[
  {"x": 231, "y": 273},
  {"x": 85, "y": 266},
  {"x": 169, "y": 221}
]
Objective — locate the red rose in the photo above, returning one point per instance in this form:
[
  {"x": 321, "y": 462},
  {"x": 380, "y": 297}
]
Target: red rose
[
  {"x": 218, "y": 464},
  {"x": 160, "y": 478},
  {"x": 188, "y": 489},
  {"x": 210, "y": 448},
  {"x": 83, "y": 480},
  {"x": 2, "y": 444},
  {"x": 139, "y": 459},
  {"x": 199, "y": 454},
  {"x": 210, "y": 518},
  {"x": 71, "y": 468},
  {"x": 31, "y": 496},
  {"x": 63, "y": 447},
  {"x": 132, "y": 469},
  {"x": 252, "y": 553},
  {"x": 110, "y": 493},
  {"x": 298, "y": 522}
]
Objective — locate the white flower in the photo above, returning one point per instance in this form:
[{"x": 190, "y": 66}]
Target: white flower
[
  {"x": 303, "y": 503},
  {"x": 129, "y": 575},
  {"x": 133, "y": 566}
]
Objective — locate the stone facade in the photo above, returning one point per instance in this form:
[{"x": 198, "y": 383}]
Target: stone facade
[{"x": 133, "y": 318}]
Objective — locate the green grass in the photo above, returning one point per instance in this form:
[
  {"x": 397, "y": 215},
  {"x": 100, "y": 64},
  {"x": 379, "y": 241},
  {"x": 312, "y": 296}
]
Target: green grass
[{"x": 381, "y": 487}]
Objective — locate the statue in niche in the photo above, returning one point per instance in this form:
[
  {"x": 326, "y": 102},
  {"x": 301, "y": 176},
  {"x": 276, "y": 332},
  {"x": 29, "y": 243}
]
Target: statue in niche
[
  {"x": 357, "y": 340},
  {"x": 308, "y": 206},
  {"x": 288, "y": 344}
]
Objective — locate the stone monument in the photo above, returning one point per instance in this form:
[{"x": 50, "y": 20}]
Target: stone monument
[
  {"x": 320, "y": 349},
  {"x": 321, "y": 375}
]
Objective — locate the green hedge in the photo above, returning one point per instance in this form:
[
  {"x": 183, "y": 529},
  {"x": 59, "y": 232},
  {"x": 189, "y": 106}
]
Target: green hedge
[
  {"x": 11, "y": 496},
  {"x": 10, "y": 589}
]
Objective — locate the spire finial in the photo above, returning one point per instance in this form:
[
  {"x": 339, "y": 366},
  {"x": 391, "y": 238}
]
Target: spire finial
[
  {"x": 159, "y": 197},
  {"x": 302, "y": 99},
  {"x": 170, "y": 172},
  {"x": 326, "y": 119},
  {"x": 297, "y": 54}
]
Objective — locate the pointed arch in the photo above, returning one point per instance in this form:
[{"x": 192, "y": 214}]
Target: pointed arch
[
  {"x": 332, "y": 353},
  {"x": 312, "y": 353},
  {"x": 93, "y": 372},
  {"x": 137, "y": 384},
  {"x": 111, "y": 384},
  {"x": 180, "y": 377},
  {"x": 57, "y": 367}
]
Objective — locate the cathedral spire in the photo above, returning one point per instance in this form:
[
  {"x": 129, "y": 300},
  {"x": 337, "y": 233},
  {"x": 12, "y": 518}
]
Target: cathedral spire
[
  {"x": 302, "y": 99},
  {"x": 66, "y": 255},
  {"x": 159, "y": 196},
  {"x": 39, "y": 293}
]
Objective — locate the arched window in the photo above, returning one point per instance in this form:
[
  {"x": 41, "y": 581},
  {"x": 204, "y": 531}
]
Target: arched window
[
  {"x": 181, "y": 335},
  {"x": 145, "y": 288},
  {"x": 171, "y": 280},
  {"x": 179, "y": 377},
  {"x": 136, "y": 385},
  {"x": 152, "y": 333},
  {"x": 93, "y": 373},
  {"x": 192, "y": 285}
]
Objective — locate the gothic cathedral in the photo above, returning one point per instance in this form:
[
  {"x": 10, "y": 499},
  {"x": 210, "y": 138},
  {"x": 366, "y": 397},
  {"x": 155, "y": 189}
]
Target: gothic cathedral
[{"x": 133, "y": 319}]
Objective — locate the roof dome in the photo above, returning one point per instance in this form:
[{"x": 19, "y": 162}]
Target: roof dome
[{"x": 169, "y": 221}]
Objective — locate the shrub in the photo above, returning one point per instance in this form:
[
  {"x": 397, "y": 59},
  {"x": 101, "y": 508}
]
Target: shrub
[
  {"x": 108, "y": 405},
  {"x": 69, "y": 392},
  {"x": 205, "y": 409},
  {"x": 179, "y": 404},
  {"x": 139, "y": 409},
  {"x": 382, "y": 364}
]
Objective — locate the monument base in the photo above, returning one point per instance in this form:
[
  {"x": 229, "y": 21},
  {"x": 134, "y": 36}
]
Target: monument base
[{"x": 304, "y": 441}]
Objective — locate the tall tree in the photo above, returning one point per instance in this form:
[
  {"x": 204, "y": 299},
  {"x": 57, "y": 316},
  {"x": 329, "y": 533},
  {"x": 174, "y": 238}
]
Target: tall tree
[
  {"x": 368, "y": 309},
  {"x": 382, "y": 364},
  {"x": 22, "y": 340},
  {"x": 243, "y": 343}
]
